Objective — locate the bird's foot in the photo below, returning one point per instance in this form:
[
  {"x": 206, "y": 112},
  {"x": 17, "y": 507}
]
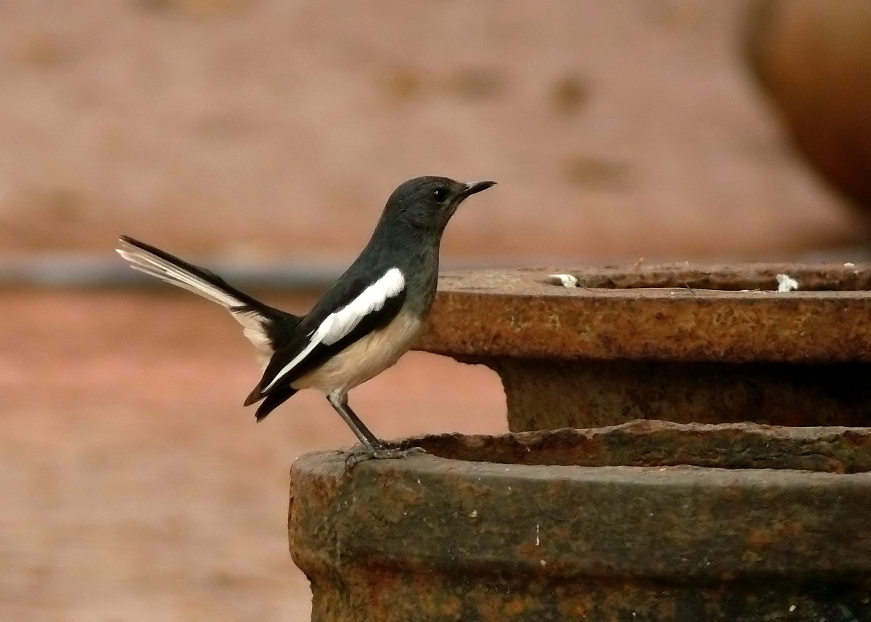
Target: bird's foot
[{"x": 357, "y": 456}]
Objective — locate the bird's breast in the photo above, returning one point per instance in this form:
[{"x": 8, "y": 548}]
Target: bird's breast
[{"x": 365, "y": 358}]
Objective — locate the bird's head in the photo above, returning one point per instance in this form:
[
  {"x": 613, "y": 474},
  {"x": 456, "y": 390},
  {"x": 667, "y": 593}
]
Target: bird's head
[{"x": 429, "y": 202}]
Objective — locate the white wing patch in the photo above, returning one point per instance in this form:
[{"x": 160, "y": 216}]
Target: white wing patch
[{"x": 339, "y": 324}]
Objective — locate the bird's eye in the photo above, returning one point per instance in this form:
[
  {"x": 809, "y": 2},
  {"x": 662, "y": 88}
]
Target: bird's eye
[{"x": 440, "y": 194}]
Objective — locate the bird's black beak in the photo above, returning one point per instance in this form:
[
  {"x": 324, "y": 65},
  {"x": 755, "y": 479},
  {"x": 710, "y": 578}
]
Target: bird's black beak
[{"x": 476, "y": 186}]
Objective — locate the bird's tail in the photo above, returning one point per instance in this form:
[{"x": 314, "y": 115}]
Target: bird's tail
[{"x": 263, "y": 325}]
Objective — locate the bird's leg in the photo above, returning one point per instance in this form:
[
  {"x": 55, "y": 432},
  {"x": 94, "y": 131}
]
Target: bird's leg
[
  {"x": 372, "y": 447},
  {"x": 368, "y": 440}
]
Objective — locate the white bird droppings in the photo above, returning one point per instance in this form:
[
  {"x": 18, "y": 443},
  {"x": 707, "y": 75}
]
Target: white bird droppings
[
  {"x": 786, "y": 283},
  {"x": 566, "y": 280}
]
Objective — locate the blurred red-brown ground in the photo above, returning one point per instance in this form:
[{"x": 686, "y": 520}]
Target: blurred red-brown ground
[{"x": 136, "y": 487}]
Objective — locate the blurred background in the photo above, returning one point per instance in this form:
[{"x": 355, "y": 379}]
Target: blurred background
[{"x": 249, "y": 132}]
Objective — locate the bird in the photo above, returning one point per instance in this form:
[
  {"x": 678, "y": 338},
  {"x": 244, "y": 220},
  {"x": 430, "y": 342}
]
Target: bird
[{"x": 361, "y": 326}]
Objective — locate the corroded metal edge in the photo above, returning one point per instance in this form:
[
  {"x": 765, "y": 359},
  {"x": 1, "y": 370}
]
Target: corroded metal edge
[
  {"x": 658, "y": 523},
  {"x": 652, "y": 443},
  {"x": 520, "y": 313}
]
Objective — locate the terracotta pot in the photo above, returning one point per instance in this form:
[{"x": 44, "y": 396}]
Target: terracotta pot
[{"x": 814, "y": 60}]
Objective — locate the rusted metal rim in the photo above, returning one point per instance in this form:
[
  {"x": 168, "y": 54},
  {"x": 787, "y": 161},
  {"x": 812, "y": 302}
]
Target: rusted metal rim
[
  {"x": 677, "y": 312},
  {"x": 527, "y": 512},
  {"x": 652, "y": 443}
]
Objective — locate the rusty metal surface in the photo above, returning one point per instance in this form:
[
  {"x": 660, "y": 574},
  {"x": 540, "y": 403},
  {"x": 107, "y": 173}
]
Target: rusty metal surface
[
  {"x": 551, "y": 394},
  {"x": 643, "y": 443},
  {"x": 618, "y": 315},
  {"x": 725, "y": 277},
  {"x": 523, "y": 538}
]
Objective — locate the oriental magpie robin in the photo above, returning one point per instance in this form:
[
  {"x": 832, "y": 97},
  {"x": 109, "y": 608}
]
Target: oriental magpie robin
[{"x": 361, "y": 326}]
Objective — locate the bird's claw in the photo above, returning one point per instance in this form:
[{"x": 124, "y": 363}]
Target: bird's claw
[{"x": 382, "y": 453}]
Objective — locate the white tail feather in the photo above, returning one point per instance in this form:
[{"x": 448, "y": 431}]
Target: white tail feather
[
  {"x": 252, "y": 322},
  {"x": 162, "y": 269}
]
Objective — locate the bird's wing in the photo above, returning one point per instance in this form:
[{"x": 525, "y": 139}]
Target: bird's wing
[
  {"x": 266, "y": 327},
  {"x": 352, "y": 309}
]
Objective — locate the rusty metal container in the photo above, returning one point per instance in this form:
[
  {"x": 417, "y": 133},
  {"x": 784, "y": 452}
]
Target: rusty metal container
[
  {"x": 708, "y": 344},
  {"x": 644, "y": 522},
  {"x": 689, "y": 518}
]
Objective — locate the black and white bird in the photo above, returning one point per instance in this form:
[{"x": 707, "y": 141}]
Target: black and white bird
[{"x": 363, "y": 324}]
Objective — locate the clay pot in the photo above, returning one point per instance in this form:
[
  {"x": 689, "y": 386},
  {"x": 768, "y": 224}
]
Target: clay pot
[{"x": 814, "y": 60}]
